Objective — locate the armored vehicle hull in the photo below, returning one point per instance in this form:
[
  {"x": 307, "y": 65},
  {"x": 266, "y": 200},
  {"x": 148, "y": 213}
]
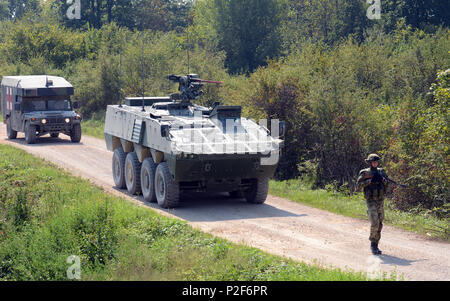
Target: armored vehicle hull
[
  {"x": 38, "y": 105},
  {"x": 183, "y": 148}
]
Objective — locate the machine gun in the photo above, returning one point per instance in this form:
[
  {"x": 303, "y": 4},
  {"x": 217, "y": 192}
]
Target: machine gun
[
  {"x": 394, "y": 182},
  {"x": 189, "y": 87},
  {"x": 378, "y": 176}
]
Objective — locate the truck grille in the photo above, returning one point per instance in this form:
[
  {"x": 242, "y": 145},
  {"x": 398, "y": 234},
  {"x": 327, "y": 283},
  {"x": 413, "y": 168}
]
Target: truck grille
[{"x": 55, "y": 121}]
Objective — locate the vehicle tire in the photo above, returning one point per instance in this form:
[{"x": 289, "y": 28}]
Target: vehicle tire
[
  {"x": 148, "y": 171},
  {"x": 257, "y": 194},
  {"x": 75, "y": 134},
  {"x": 118, "y": 168},
  {"x": 166, "y": 189},
  {"x": 133, "y": 173},
  {"x": 12, "y": 134},
  {"x": 54, "y": 135},
  {"x": 236, "y": 194},
  {"x": 30, "y": 133}
]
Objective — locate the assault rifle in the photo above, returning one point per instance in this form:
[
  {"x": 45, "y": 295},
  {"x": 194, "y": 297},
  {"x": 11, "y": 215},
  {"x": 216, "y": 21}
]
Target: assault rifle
[{"x": 377, "y": 176}]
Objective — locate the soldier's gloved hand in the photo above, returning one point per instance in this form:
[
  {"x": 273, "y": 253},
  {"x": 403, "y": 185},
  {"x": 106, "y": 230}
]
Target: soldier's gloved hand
[{"x": 367, "y": 176}]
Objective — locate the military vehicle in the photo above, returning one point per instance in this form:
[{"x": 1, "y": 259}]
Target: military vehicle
[
  {"x": 38, "y": 105},
  {"x": 164, "y": 146}
]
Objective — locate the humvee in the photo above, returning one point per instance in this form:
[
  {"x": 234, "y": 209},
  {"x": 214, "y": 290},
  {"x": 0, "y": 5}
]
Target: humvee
[{"x": 38, "y": 105}]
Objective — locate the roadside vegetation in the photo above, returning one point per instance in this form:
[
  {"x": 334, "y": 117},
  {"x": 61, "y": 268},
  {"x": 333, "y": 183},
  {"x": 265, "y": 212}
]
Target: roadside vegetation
[
  {"x": 95, "y": 125},
  {"x": 47, "y": 215}
]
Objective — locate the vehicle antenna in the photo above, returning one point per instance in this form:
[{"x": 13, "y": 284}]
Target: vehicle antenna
[
  {"x": 120, "y": 74},
  {"x": 188, "y": 45},
  {"x": 143, "y": 67}
]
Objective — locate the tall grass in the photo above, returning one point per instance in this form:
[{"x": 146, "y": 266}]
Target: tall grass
[
  {"x": 94, "y": 126},
  {"x": 46, "y": 215}
]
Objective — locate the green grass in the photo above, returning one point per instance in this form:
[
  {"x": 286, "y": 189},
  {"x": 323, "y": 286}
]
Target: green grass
[
  {"x": 47, "y": 215},
  {"x": 355, "y": 206},
  {"x": 94, "y": 126}
]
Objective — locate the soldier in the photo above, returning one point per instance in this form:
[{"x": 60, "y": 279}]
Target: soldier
[{"x": 374, "y": 180}]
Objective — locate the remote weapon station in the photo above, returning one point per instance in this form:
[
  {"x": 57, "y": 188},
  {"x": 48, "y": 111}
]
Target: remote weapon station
[{"x": 167, "y": 145}]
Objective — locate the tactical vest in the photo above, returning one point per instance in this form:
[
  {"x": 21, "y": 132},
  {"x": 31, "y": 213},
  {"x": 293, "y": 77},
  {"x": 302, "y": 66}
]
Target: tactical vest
[{"x": 375, "y": 191}]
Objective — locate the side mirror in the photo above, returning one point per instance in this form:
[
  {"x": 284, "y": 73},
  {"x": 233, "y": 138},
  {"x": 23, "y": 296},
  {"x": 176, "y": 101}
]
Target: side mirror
[
  {"x": 17, "y": 107},
  {"x": 282, "y": 129},
  {"x": 75, "y": 105}
]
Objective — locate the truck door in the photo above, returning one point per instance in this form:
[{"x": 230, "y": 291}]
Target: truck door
[
  {"x": 16, "y": 113},
  {"x": 9, "y": 96}
]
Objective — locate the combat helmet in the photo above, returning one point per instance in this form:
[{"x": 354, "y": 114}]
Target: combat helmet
[{"x": 372, "y": 157}]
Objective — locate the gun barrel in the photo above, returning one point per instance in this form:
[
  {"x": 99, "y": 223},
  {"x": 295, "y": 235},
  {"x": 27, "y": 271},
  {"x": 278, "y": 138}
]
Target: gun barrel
[{"x": 207, "y": 81}]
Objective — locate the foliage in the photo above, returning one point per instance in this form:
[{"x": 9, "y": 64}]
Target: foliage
[{"x": 240, "y": 34}]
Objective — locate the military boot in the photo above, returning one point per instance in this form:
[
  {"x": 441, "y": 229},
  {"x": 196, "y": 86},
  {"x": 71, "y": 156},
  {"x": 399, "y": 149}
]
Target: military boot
[{"x": 374, "y": 248}]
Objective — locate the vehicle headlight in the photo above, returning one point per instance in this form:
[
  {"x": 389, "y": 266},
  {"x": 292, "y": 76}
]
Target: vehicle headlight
[
  {"x": 67, "y": 120},
  {"x": 44, "y": 121}
]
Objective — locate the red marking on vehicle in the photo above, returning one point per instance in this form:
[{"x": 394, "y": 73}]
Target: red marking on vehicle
[{"x": 8, "y": 98}]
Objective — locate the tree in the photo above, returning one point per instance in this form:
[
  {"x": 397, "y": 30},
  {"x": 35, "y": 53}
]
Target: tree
[
  {"x": 248, "y": 31},
  {"x": 325, "y": 20}
]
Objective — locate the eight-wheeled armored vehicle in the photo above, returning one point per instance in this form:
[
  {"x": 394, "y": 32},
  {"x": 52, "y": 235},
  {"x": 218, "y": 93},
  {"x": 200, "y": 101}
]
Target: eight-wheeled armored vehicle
[
  {"x": 39, "y": 105},
  {"x": 167, "y": 145}
]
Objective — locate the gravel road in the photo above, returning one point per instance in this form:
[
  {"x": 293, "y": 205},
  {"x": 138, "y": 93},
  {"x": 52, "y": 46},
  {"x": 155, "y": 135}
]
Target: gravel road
[{"x": 279, "y": 226}]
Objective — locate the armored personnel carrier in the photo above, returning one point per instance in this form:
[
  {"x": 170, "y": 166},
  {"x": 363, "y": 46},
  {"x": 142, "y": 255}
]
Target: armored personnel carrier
[
  {"x": 164, "y": 146},
  {"x": 38, "y": 105}
]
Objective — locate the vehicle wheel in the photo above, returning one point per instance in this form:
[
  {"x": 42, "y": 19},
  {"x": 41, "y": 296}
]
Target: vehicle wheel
[
  {"x": 148, "y": 171},
  {"x": 75, "y": 134},
  {"x": 236, "y": 194},
  {"x": 258, "y": 191},
  {"x": 30, "y": 133},
  {"x": 12, "y": 134},
  {"x": 118, "y": 168},
  {"x": 133, "y": 173},
  {"x": 54, "y": 135},
  {"x": 167, "y": 190}
]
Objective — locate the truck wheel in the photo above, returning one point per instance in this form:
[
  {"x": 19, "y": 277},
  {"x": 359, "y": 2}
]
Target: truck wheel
[
  {"x": 12, "y": 134},
  {"x": 54, "y": 135},
  {"x": 133, "y": 173},
  {"x": 75, "y": 134},
  {"x": 167, "y": 190},
  {"x": 148, "y": 171},
  {"x": 258, "y": 191},
  {"x": 30, "y": 133},
  {"x": 118, "y": 167}
]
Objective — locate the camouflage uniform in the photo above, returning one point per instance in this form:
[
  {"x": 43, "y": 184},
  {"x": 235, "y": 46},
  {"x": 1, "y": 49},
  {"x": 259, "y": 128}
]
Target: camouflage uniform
[{"x": 374, "y": 190}]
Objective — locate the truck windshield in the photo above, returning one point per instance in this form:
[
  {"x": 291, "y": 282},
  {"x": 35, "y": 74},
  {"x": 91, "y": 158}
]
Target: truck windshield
[{"x": 46, "y": 105}]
